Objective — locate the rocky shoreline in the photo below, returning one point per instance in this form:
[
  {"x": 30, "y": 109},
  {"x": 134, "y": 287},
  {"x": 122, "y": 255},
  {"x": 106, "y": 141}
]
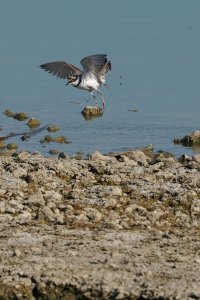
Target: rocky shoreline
[{"x": 117, "y": 226}]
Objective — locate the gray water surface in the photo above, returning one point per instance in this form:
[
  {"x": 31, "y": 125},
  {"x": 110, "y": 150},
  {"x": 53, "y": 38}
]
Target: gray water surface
[{"x": 154, "y": 47}]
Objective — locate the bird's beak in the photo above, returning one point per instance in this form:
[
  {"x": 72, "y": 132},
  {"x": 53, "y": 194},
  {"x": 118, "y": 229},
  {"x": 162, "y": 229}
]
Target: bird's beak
[{"x": 67, "y": 83}]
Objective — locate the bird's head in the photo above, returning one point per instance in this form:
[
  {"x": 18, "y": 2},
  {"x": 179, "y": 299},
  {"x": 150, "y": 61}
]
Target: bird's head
[{"x": 72, "y": 80}]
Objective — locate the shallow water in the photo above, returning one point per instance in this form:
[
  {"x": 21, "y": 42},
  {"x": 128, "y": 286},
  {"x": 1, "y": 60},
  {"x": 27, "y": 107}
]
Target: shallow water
[{"x": 154, "y": 47}]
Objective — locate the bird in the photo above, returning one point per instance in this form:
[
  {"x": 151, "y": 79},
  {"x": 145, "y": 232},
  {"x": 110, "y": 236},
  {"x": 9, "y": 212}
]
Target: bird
[{"x": 95, "y": 67}]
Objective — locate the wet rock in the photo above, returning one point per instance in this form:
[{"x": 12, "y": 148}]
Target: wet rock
[
  {"x": 25, "y": 137},
  {"x": 53, "y": 128},
  {"x": 61, "y": 139},
  {"x": 21, "y": 116},
  {"x": 46, "y": 139},
  {"x": 138, "y": 156},
  {"x": 58, "y": 139},
  {"x": 9, "y": 113},
  {"x": 62, "y": 155},
  {"x": 32, "y": 123},
  {"x": 90, "y": 112},
  {"x": 12, "y": 146},
  {"x": 189, "y": 140}
]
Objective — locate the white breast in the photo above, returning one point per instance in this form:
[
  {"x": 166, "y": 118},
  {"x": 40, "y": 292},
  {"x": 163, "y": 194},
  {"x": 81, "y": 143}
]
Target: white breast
[{"x": 89, "y": 82}]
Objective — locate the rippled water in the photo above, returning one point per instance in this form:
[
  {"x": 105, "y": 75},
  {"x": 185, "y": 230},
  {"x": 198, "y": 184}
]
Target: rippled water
[{"x": 154, "y": 47}]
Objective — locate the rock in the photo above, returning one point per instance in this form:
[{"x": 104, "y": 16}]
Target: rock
[
  {"x": 62, "y": 155},
  {"x": 49, "y": 195},
  {"x": 32, "y": 122},
  {"x": 36, "y": 199},
  {"x": 46, "y": 139},
  {"x": 61, "y": 139},
  {"x": 53, "y": 128},
  {"x": 25, "y": 137},
  {"x": 98, "y": 156},
  {"x": 90, "y": 112},
  {"x": 148, "y": 151},
  {"x": 21, "y": 116},
  {"x": 12, "y": 146},
  {"x": 24, "y": 218},
  {"x": 48, "y": 214},
  {"x": 9, "y": 113},
  {"x": 190, "y": 139},
  {"x": 138, "y": 156}
]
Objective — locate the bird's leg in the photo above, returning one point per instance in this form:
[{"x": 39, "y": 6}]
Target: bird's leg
[
  {"x": 103, "y": 101},
  {"x": 94, "y": 98}
]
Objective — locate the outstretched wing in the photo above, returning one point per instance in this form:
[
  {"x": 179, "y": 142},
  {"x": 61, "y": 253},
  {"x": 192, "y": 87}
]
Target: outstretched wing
[
  {"x": 61, "y": 69},
  {"x": 94, "y": 63}
]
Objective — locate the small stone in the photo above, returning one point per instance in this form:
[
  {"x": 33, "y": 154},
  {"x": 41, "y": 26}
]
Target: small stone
[
  {"x": 61, "y": 140},
  {"x": 62, "y": 155},
  {"x": 12, "y": 146},
  {"x": 53, "y": 128},
  {"x": 9, "y": 113},
  {"x": 25, "y": 137},
  {"x": 46, "y": 139},
  {"x": 32, "y": 122},
  {"x": 90, "y": 112},
  {"x": 21, "y": 116}
]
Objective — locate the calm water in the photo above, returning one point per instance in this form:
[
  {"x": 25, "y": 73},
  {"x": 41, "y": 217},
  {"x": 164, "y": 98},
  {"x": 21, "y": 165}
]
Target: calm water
[{"x": 154, "y": 47}]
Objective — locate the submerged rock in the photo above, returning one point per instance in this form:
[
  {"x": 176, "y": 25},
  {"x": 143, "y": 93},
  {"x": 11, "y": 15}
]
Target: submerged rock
[
  {"x": 58, "y": 139},
  {"x": 61, "y": 139},
  {"x": 46, "y": 139},
  {"x": 12, "y": 146},
  {"x": 53, "y": 128},
  {"x": 9, "y": 113},
  {"x": 21, "y": 116}
]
